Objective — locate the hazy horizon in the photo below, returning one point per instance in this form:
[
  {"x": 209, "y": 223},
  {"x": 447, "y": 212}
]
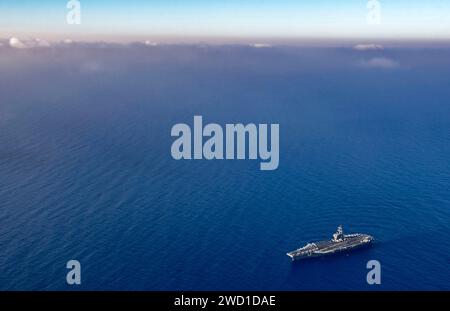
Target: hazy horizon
[{"x": 231, "y": 21}]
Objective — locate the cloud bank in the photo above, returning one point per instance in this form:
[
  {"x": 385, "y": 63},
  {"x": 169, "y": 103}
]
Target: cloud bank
[
  {"x": 368, "y": 47},
  {"x": 261, "y": 45},
  {"x": 17, "y": 43},
  {"x": 380, "y": 62}
]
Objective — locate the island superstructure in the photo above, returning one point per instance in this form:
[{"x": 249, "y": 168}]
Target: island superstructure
[{"x": 339, "y": 243}]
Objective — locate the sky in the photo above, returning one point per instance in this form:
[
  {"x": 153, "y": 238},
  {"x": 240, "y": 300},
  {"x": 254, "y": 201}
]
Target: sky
[{"x": 120, "y": 19}]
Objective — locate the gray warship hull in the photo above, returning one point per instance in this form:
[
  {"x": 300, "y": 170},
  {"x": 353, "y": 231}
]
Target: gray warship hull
[{"x": 340, "y": 243}]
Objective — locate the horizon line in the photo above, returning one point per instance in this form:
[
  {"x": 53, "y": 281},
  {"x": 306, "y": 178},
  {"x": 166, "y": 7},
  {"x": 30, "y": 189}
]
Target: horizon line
[{"x": 217, "y": 39}]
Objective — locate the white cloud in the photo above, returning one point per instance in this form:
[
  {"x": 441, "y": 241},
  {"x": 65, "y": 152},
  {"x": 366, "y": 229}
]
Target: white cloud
[
  {"x": 151, "y": 43},
  {"x": 41, "y": 43},
  {"x": 260, "y": 45},
  {"x": 368, "y": 47},
  {"x": 16, "y": 43},
  {"x": 380, "y": 62},
  {"x": 30, "y": 43}
]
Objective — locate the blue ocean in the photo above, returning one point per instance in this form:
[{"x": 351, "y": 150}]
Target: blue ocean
[{"x": 86, "y": 171}]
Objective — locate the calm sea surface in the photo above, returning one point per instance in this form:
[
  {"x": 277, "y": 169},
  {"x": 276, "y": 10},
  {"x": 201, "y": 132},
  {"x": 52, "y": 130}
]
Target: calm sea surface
[{"x": 86, "y": 171}]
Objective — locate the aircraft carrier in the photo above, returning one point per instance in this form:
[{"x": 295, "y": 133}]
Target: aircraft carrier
[{"x": 339, "y": 243}]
